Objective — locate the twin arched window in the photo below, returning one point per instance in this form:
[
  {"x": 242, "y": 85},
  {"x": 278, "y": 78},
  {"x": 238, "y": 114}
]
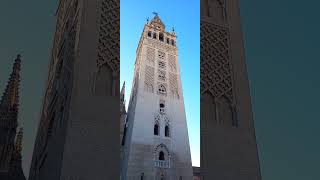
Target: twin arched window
[
  {"x": 162, "y": 89},
  {"x": 166, "y": 130}
]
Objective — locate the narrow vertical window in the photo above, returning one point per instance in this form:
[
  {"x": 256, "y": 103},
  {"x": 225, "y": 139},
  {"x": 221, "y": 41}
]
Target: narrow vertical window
[
  {"x": 161, "y": 156},
  {"x": 166, "y": 131},
  {"x": 149, "y": 34},
  {"x": 154, "y": 35},
  {"x": 156, "y": 129},
  {"x": 161, "y": 38},
  {"x": 172, "y": 42}
]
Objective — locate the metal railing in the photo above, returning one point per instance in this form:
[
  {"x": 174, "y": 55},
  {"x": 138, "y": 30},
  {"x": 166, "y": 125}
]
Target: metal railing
[{"x": 162, "y": 164}]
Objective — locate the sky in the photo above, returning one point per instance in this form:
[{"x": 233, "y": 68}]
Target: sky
[
  {"x": 282, "y": 54},
  {"x": 27, "y": 28},
  {"x": 186, "y": 22}
]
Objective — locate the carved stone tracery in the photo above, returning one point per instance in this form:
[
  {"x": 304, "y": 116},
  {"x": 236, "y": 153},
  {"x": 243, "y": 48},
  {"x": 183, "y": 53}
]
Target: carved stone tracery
[
  {"x": 161, "y": 46},
  {"x": 109, "y": 36},
  {"x": 149, "y": 79},
  {"x": 172, "y": 63},
  {"x": 215, "y": 9},
  {"x": 173, "y": 82},
  {"x": 216, "y": 71},
  {"x": 151, "y": 55},
  {"x": 216, "y": 76}
]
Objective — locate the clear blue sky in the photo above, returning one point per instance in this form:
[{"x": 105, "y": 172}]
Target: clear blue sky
[{"x": 184, "y": 16}]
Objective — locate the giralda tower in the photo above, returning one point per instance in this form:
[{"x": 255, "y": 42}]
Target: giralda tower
[{"x": 156, "y": 143}]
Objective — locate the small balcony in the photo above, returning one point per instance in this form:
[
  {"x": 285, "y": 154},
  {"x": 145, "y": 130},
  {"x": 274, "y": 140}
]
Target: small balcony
[{"x": 162, "y": 164}]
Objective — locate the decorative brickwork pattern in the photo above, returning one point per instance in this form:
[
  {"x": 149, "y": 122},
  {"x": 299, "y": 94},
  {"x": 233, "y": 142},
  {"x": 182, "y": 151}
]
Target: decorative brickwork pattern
[
  {"x": 162, "y": 46},
  {"x": 216, "y": 76},
  {"x": 150, "y": 55},
  {"x": 149, "y": 79},
  {"x": 109, "y": 37},
  {"x": 172, "y": 63},
  {"x": 173, "y": 82}
]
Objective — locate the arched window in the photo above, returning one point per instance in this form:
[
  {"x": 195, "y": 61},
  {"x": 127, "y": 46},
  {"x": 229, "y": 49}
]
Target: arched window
[
  {"x": 156, "y": 130},
  {"x": 162, "y": 64},
  {"x": 154, "y": 35},
  {"x": 168, "y": 41},
  {"x": 161, "y": 38},
  {"x": 149, "y": 33},
  {"x": 161, "y": 105},
  {"x": 161, "y": 156},
  {"x": 162, "y": 75},
  {"x": 162, "y": 89},
  {"x": 172, "y": 42},
  {"x": 167, "y": 131}
]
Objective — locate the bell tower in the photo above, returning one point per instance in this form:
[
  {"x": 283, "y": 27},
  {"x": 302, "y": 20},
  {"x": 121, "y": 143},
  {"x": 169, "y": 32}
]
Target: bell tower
[{"x": 157, "y": 143}]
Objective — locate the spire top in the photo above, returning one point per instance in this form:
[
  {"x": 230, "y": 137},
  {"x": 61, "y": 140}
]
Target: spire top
[
  {"x": 156, "y": 22},
  {"x": 10, "y": 99},
  {"x": 11, "y": 94}
]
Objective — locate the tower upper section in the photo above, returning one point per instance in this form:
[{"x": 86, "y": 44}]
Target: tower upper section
[
  {"x": 156, "y": 30},
  {"x": 157, "y": 23},
  {"x": 157, "y": 69}
]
